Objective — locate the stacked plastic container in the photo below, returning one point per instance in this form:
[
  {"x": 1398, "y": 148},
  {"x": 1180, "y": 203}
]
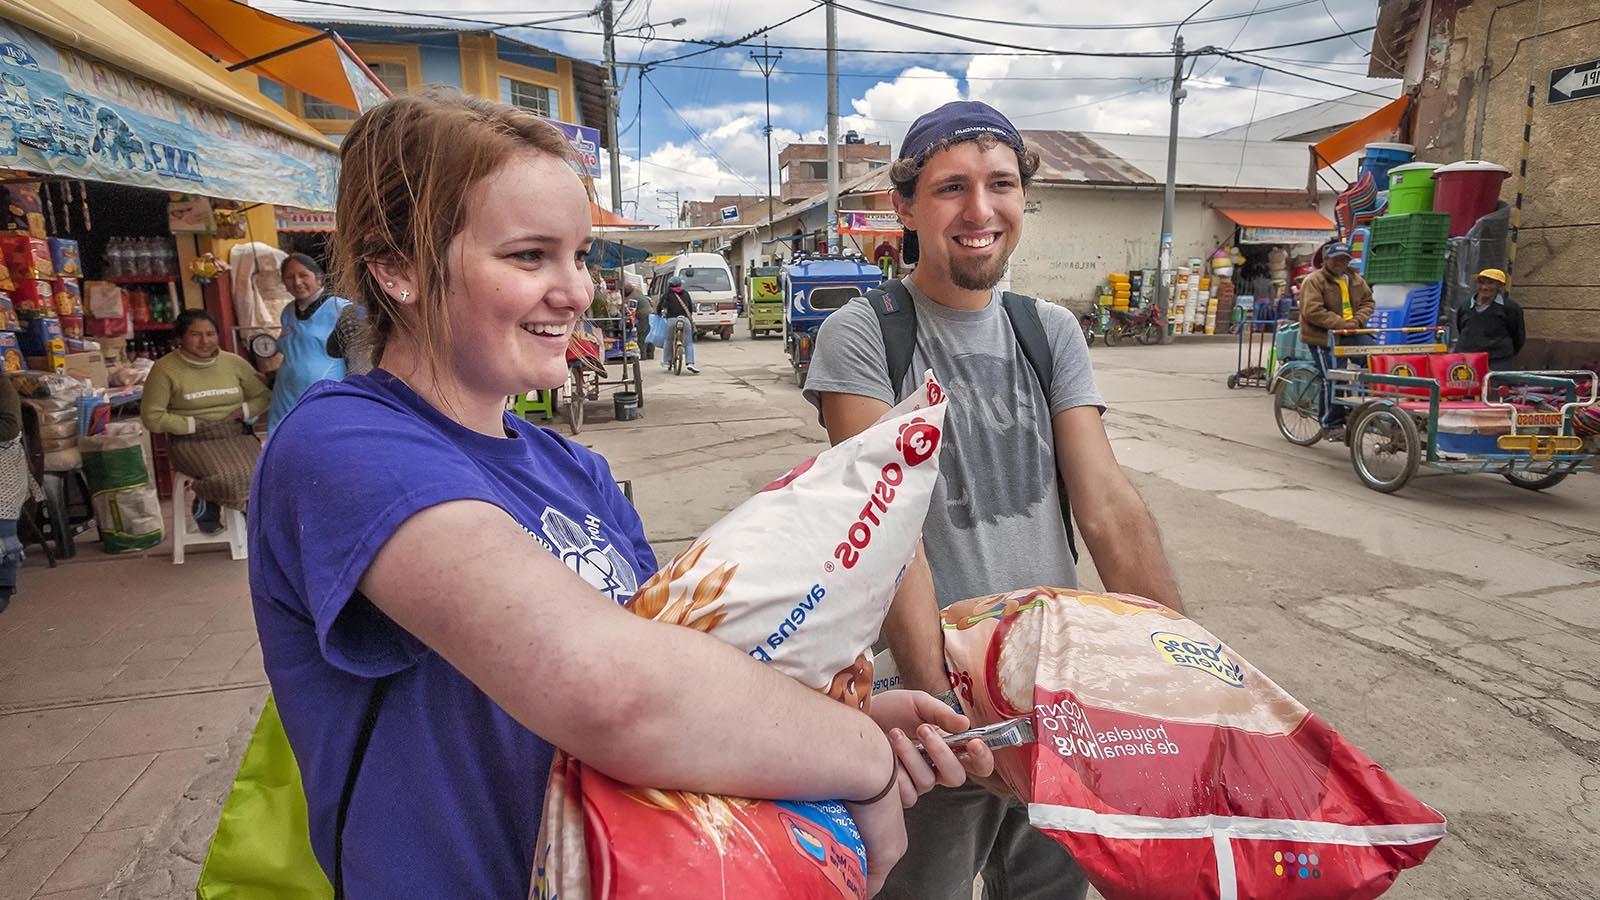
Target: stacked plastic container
[{"x": 1407, "y": 248}]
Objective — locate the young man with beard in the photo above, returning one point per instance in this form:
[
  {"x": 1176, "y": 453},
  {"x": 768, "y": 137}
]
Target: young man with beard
[{"x": 1024, "y": 423}]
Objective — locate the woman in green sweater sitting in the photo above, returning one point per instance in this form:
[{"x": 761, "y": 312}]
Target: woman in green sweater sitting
[{"x": 200, "y": 395}]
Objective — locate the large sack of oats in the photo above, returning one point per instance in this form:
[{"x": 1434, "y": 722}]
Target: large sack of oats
[
  {"x": 1167, "y": 764},
  {"x": 800, "y": 577}
]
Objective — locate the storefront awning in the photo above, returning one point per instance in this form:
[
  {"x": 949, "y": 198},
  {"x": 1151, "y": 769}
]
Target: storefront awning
[
  {"x": 100, "y": 91},
  {"x": 307, "y": 59},
  {"x": 671, "y": 240},
  {"x": 1281, "y": 226},
  {"x": 605, "y": 218},
  {"x": 1379, "y": 126}
]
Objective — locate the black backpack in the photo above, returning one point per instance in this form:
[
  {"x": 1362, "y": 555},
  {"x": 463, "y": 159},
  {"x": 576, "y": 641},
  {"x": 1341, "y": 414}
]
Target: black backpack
[{"x": 897, "y": 318}]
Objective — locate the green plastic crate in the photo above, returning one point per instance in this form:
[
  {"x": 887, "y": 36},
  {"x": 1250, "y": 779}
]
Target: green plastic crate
[
  {"x": 1404, "y": 268},
  {"x": 1416, "y": 232}
]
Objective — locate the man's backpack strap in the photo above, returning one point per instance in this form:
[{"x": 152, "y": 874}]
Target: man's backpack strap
[
  {"x": 897, "y": 318},
  {"x": 1029, "y": 329}
]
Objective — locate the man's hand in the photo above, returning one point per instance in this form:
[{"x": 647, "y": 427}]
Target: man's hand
[{"x": 902, "y": 714}]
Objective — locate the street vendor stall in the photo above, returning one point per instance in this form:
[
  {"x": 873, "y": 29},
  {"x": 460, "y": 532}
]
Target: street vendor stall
[{"x": 133, "y": 161}]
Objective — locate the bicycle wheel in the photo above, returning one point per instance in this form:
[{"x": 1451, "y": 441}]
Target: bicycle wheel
[
  {"x": 1534, "y": 481},
  {"x": 1113, "y": 335},
  {"x": 1385, "y": 448},
  {"x": 575, "y": 399},
  {"x": 1296, "y": 407},
  {"x": 1150, "y": 334},
  {"x": 679, "y": 347}
]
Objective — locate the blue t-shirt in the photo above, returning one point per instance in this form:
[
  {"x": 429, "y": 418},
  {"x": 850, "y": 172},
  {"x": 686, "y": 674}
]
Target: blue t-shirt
[{"x": 450, "y": 791}]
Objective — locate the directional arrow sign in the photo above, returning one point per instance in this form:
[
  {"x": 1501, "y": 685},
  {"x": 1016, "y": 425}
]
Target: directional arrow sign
[{"x": 1575, "y": 82}]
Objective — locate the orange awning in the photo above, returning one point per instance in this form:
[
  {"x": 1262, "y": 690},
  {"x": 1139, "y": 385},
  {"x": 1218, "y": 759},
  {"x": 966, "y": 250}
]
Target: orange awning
[
  {"x": 319, "y": 63},
  {"x": 605, "y": 218},
  {"x": 1295, "y": 219},
  {"x": 1378, "y": 126}
]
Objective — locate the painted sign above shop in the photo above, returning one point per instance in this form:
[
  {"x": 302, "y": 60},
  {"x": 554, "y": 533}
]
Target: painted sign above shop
[
  {"x": 868, "y": 222},
  {"x": 63, "y": 113}
]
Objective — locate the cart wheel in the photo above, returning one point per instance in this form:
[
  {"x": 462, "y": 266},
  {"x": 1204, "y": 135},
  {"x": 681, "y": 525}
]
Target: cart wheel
[
  {"x": 1385, "y": 448},
  {"x": 638, "y": 383},
  {"x": 1113, "y": 335},
  {"x": 1233, "y": 381},
  {"x": 1534, "y": 481},
  {"x": 575, "y": 400},
  {"x": 1295, "y": 406}
]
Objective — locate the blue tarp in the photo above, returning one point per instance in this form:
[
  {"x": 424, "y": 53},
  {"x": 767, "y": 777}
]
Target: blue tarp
[{"x": 609, "y": 255}]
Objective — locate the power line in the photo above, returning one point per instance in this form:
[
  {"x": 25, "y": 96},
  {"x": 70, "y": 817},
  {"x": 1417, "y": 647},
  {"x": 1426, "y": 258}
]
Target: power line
[
  {"x": 1343, "y": 87},
  {"x": 726, "y": 45},
  {"x": 1128, "y": 26},
  {"x": 696, "y": 134}
]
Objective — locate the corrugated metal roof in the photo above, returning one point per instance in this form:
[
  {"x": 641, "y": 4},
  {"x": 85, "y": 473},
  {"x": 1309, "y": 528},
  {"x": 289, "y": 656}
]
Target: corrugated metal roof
[
  {"x": 1074, "y": 157},
  {"x": 1327, "y": 114},
  {"x": 1077, "y": 157}
]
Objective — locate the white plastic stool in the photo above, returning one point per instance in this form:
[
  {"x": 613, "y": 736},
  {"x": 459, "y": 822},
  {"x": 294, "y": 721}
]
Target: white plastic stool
[{"x": 184, "y": 534}]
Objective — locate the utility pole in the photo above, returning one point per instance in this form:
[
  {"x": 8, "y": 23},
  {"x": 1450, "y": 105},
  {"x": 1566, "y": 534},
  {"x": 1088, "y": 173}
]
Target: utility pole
[
  {"x": 677, "y": 204},
  {"x": 767, "y": 61},
  {"x": 833, "y": 132},
  {"x": 1164, "y": 261},
  {"x": 608, "y": 23}
]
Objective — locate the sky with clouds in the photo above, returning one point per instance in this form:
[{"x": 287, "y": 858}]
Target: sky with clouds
[{"x": 702, "y": 133}]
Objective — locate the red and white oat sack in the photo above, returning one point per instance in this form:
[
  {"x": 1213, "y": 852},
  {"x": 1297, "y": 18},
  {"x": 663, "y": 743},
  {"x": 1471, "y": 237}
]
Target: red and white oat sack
[
  {"x": 1167, "y": 764},
  {"x": 800, "y": 576}
]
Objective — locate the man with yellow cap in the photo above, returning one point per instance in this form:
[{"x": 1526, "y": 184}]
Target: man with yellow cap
[{"x": 1491, "y": 323}]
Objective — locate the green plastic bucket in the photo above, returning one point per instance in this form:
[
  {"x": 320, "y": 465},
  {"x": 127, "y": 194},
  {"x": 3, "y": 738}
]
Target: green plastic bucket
[{"x": 1411, "y": 188}]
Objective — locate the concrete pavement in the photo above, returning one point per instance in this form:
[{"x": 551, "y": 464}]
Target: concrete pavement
[{"x": 1449, "y": 630}]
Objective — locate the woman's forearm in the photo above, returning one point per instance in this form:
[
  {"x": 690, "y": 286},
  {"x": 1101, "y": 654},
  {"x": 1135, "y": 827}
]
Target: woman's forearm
[{"x": 643, "y": 702}]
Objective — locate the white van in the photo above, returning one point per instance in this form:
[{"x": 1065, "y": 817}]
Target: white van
[{"x": 709, "y": 281}]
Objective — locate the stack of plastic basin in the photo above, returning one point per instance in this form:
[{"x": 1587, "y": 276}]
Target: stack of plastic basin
[
  {"x": 1408, "y": 248},
  {"x": 1468, "y": 191},
  {"x": 1420, "y": 310},
  {"x": 1380, "y": 158},
  {"x": 1411, "y": 188}
]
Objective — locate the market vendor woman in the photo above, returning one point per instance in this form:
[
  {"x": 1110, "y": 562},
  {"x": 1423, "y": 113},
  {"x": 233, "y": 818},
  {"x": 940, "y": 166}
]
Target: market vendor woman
[
  {"x": 200, "y": 395},
  {"x": 438, "y": 584},
  {"x": 320, "y": 338}
]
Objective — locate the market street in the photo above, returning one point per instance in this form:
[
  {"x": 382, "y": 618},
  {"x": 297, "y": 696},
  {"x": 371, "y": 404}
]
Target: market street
[{"x": 1449, "y": 630}]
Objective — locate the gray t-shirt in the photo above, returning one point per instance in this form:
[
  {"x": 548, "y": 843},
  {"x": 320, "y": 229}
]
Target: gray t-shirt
[{"x": 995, "y": 521}]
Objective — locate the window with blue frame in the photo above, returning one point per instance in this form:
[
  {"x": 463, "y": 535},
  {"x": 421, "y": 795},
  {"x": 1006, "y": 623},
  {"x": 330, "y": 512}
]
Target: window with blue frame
[{"x": 535, "y": 98}]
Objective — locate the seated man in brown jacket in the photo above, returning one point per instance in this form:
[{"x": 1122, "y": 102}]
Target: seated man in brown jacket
[{"x": 1333, "y": 298}]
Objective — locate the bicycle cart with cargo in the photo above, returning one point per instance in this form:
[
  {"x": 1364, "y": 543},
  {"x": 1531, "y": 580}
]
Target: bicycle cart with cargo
[
  {"x": 1426, "y": 409},
  {"x": 595, "y": 345}
]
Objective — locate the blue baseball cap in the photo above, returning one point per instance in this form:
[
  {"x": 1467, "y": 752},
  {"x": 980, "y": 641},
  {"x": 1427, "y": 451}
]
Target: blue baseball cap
[
  {"x": 1335, "y": 248},
  {"x": 956, "y": 121}
]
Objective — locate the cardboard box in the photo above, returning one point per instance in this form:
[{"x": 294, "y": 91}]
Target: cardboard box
[
  {"x": 89, "y": 366},
  {"x": 48, "y": 363}
]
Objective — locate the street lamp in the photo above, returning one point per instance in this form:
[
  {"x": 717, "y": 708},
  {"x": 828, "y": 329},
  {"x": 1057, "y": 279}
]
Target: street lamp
[{"x": 1169, "y": 199}]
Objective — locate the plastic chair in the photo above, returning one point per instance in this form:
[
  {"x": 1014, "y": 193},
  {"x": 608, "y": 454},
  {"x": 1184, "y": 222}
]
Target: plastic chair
[
  {"x": 541, "y": 402},
  {"x": 233, "y": 532}
]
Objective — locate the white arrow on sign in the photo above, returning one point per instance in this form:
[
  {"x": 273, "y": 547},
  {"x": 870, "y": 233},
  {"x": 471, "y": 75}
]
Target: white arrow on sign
[{"x": 1575, "y": 81}]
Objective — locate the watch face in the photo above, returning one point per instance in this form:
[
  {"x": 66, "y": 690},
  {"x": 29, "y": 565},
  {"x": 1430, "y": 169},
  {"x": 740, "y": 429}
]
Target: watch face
[{"x": 264, "y": 345}]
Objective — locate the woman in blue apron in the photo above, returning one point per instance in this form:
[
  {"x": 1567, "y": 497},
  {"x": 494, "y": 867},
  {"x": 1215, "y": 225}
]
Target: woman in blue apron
[{"x": 319, "y": 340}]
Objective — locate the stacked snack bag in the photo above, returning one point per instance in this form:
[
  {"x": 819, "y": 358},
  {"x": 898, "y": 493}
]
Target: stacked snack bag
[{"x": 809, "y": 605}]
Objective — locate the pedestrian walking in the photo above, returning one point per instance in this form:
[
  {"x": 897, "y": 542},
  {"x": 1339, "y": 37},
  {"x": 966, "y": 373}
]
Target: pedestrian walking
[
  {"x": 438, "y": 584},
  {"x": 675, "y": 306},
  {"x": 1491, "y": 322},
  {"x": 1333, "y": 298},
  {"x": 1023, "y": 431}
]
